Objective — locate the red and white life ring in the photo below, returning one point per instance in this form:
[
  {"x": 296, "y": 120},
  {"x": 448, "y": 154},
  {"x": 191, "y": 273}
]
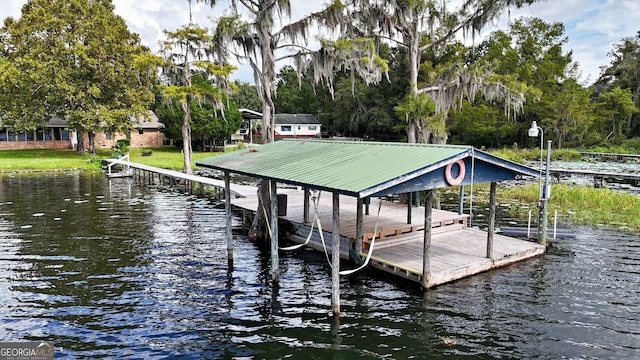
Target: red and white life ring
[{"x": 461, "y": 172}]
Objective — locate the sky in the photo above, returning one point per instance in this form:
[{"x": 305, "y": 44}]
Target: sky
[{"x": 592, "y": 26}]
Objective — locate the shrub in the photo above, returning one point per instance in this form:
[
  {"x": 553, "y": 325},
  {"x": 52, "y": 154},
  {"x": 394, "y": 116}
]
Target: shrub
[{"x": 121, "y": 148}]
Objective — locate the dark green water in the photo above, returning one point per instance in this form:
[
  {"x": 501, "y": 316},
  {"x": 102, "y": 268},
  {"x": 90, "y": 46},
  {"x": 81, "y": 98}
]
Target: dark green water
[{"x": 115, "y": 270}]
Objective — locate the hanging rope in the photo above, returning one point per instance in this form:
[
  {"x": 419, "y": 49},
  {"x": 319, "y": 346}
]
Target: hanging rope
[
  {"x": 373, "y": 242},
  {"x": 316, "y": 219}
]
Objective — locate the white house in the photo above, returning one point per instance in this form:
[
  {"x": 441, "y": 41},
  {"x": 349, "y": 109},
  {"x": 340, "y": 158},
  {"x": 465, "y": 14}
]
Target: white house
[
  {"x": 286, "y": 126},
  {"x": 296, "y": 125}
]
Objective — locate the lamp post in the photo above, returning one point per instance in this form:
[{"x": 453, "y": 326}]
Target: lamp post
[{"x": 544, "y": 190}]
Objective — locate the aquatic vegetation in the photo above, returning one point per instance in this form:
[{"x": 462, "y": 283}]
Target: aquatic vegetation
[{"x": 580, "y": 204}]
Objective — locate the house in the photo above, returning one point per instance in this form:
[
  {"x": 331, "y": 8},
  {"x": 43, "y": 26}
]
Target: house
[
  {"x": 296, "y": 126},
  {"x": 146, "y": 133},
  {"x": 54, "y": 135},
  {"x": 286, "y": 126}
]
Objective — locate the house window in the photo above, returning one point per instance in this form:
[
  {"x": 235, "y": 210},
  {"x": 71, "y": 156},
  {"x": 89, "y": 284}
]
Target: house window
[
  {"x": 3, "y": 135},
  {"x": 140, "y": 131},
  {"x": 285, "y": 128},
  {"x": 11, "y": 136},
  {"x": 107, "y": 136},
  {"x": 60, "y": 134},
  {"x": 40, "y": 135},
  {"x": 299, "y": 127},
  {"x": 312, "y": 127}
]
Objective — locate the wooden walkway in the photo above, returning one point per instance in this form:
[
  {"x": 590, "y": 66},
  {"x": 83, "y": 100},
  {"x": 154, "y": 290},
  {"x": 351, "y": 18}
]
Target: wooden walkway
[{"x": 598, "y": 176}]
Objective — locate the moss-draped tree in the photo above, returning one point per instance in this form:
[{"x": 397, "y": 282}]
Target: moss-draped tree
[
  {"x": 261, "y": 34},
  {"x": 428, "y": 26}
]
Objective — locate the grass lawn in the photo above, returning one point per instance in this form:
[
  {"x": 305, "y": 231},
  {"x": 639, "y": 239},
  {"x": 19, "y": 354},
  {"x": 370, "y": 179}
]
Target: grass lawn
[{"x": 168, "y": 157}]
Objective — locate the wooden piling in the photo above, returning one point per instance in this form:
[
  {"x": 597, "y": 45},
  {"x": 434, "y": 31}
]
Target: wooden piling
[
  {"x": 275, "y": 272},
  {"x": 335, "y": 257},
  {"x": 305, "y": 209},
  {"x": 492, "y": 219},
  {"x": 426, "y": 250},
  {"x": 227, "y": 210},
  {"x": 359, "y": 225}
]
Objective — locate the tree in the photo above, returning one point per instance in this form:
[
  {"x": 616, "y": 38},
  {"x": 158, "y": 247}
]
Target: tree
[
  {"x": 428, "y": 26},
  {"x": 245, "y": 96},
  {"x": 206, "y": 122},
  {"x": 187, "y": 53},
  {"x": 613, "y": 109},
  {"x": 623, "y": 72},
  {"x": 73, "y": 59},
  {"x": 530, "y": 51},
  {"x": 263, "y": 39}
]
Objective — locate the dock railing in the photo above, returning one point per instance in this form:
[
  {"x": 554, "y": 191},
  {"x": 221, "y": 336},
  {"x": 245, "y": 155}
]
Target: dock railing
[{"x": 123, "y": 160}]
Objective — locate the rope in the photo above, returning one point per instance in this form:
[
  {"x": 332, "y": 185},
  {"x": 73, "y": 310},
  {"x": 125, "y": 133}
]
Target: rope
[
  {"x": 370, "y": 252},
  {"x": 315, "y": 200}
]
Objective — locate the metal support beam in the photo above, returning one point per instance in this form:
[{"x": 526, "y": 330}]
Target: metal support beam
[
  {"x": 275, "y": 272},
  {"x": 335, "y": 257},
  {"x": 426, "y": 251},
  {"x": 492, "y": 219}
]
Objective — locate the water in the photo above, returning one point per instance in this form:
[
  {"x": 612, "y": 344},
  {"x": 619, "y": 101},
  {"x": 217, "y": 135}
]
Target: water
[{"x": 114, "y": 270}]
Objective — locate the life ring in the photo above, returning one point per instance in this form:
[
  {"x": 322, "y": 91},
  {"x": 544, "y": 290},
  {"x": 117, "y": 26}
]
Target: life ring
[{"x": 457, "y": 180}]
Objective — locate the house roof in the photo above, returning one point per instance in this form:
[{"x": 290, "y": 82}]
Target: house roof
[
  {"x": 281, "y": 119},
  {"x": 142, "y": 122},
  {"x": 364, "y": 169},
  {"x": 284, "y": 119},
  {"x": 148, "y": 122}
]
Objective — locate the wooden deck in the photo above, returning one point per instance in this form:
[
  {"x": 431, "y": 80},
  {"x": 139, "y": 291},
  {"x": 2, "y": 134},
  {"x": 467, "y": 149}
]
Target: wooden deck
[
  {"x": 455, "y": 254},
  {"x": 457, "y": 251}
]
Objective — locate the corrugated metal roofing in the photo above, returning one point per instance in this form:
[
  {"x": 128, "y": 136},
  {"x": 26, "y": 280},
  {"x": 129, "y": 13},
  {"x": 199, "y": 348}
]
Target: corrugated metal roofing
[{"x": 352, "y": 168}]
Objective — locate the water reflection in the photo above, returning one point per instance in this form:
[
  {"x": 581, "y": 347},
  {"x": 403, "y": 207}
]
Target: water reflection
[{"x": 112, "y": 269}]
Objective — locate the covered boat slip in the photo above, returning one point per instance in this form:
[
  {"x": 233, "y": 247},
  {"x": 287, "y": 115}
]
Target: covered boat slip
[{"x": 350, "y": 173}]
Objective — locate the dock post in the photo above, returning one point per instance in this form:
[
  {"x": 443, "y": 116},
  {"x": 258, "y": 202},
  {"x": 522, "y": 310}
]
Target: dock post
[
  {"x": 275, "y": 272},
  {"x": 359, "y": 221},
  {"x": 227, "y": 210},
  {"x": 409, "y": 206},
  {"x": 426, "y": 251},
  {"x": 305, "y": 210},
  {"x": 335, "y": 260},
  {"x": 492, "y": 219},
  {"x": 461, "y": 200}
]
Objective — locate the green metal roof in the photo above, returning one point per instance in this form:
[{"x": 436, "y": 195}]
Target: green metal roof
[{"x": 347, "y": 167}]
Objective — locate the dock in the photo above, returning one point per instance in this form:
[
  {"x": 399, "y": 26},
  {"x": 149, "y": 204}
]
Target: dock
[
  {"x": 458, "y": 251},
  {"x": 355, "y": 173}
]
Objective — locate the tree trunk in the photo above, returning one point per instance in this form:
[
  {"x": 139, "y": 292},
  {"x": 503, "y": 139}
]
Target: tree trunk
[
  {"x": 186, "y": 138},
  {"x": 414, "y": 64},
  {"x": 92, "y": 139},
  {"x": 267, "y": 75}
]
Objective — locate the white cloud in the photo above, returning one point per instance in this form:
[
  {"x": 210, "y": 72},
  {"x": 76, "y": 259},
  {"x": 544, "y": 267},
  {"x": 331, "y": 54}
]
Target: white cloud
[{"x": 592, "y": 26}]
